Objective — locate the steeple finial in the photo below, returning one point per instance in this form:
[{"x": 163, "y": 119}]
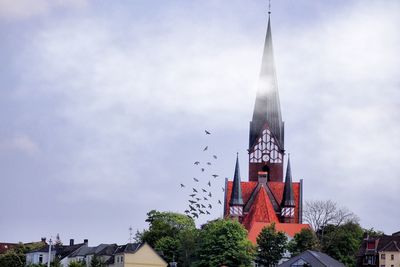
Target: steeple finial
[
  {"x": 236, "y": 196},
  {"x": 269, "y": 7}
]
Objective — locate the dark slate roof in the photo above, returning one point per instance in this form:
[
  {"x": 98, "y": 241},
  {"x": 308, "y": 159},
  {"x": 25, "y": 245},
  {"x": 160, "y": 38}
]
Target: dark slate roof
[
  {"x": 128, "y": 248},
  {"x": 382, "y": 243},
  {"x": 315, "y": 259},
  {"x": 108, "y": 250},
  {"x": 102, "y": 249},
  {"x": 288, "y": 195},
  {"x": 267, "y": 108},
  {"x": 391, "y": 246},
  {"x": 236, "y": 196}
]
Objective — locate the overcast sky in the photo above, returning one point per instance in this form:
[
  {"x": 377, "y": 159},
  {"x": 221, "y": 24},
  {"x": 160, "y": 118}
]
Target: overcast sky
[{"x": 103, "y": 106}]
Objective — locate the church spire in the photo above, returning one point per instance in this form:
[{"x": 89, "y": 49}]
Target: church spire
[
  {"x": 236, "y": 196},
  {"x": 288, "y": 196},
  {"x": 267, "y": 108}
]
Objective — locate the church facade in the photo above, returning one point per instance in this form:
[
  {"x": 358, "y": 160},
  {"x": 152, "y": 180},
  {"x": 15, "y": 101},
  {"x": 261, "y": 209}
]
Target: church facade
[{"x": 267, "y": 197}]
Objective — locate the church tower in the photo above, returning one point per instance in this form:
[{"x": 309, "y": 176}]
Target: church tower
[
  {"x": 266, "y": 138},
  {"x": 266, "y": 198}
]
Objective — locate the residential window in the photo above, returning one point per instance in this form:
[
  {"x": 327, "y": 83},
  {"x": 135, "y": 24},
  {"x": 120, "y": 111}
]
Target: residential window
[
  {"x": 122, "y": 258},
  {"x": 117, "y": 258},
  {"x": 40, "y": 258},
  {"x": 383, "y": 256},
  {"x": 392, "y": 257},
  {"x": 383, "y": 265}
]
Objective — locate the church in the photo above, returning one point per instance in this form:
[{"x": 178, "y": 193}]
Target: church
[{"x": 266, "y": 198}]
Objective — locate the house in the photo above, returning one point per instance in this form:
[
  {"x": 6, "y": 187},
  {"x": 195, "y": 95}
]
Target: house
[
  {"x": 312, "y": 259},
  {"x": 381, "y": 251},
  {"x": 136, "y": 255},
  {"x": 85, "y": 254},
  {"x": 41, "y": 255}
]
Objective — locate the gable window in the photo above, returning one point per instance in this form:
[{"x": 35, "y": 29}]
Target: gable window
[
  {"x": 392, "y": 257},
  {"x": 383, "y": 256},
  {"x": 40, "y": 258},
  {"x": 122, "y": 258}
]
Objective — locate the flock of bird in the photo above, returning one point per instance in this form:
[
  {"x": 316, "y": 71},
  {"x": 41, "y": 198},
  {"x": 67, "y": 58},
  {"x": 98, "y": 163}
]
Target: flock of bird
[{"x": 200, "y": 201}]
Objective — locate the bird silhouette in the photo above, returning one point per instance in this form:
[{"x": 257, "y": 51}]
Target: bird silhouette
[
  {"x": 192, "y": 208},
  {"x": 202, "y": 206},
  {"x": 207, "y": 212},
  {"x": 195, "y": 214},
  {"x": 192, "y": 201},
  {"x": 197, "y": 163},
  {"x": 205, "y": 191},
  {"x": 202, "y": 212},
  {"x": 192, "y": 195},
  {"x": 215, "y": 175},
  {"x": 197, "y": 205},
  {"x": 205, "y": 148},
  {"x": 202, "y": 169},
  {"x": 194, "y": 190},
  {"x": 207, "y": 132},
  {"x": 197, "y": 198},
  {"x": 209, "y": 206},
  {"x": 182, "y": 185},
  {"x": 219, "y": 202},
  {"x": 187, "y": 211},
  {"x": 214, "y": 156},
  {"x": 205, "y": 198},
  {"x": 209, "y": 194},
  {"x": 209, "y": 183},
  {"x": 196, "y": 180},
  {"x": 208, "y": 163}
]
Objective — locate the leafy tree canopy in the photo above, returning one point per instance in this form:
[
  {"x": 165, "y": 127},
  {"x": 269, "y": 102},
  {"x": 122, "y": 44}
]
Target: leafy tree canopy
[
  {"x": 271, "y": 246},
  {"x": 306, "y": 239},
  {"x": 224, "y": 242}
]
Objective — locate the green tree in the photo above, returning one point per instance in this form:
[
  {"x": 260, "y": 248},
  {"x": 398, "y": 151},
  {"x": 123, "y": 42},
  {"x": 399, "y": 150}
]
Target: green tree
[
  {"x": 97, "y": 262},
  {"x": 342, "y": 242},
  {"x": 76, "y": 264},
  {"x": 306, "y": 239},
  {"x": 12, "y": 259},
  {"x": 171, "y": 234},
  {"x": 271, "y": 246},
  {"x": 224, "y": 242}
]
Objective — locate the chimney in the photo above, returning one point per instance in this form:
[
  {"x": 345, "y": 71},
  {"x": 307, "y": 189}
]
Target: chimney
[
  {"x": 43, "y": 239},
  {"x": 86, "y": 241},
  {"x": 71, "y": 242},
  {"x": 262, "y": 177}
]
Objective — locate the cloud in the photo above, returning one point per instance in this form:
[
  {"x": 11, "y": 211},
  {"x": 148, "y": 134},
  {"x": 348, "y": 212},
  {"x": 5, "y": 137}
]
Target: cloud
[
  {"x": 19, "y": 143},
  {"x": 24, "y": 9}
]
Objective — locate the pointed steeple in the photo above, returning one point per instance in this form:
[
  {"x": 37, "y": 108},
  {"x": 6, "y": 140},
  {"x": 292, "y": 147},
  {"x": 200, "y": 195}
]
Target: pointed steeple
[
  {"x": 267, "y": 105},
  {"x": 236, "y": 196},
  {"x": 288, "y": 195}
]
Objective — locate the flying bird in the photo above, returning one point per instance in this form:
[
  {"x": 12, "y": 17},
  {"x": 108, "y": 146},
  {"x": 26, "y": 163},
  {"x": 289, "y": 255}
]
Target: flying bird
[
  {"x": 202, "y": 206},
  {"x": 187, "y": 211},
  {"x": 192, "y": 195},
  {"x": 207, "y": 212},
  {"x": 205, "y": 198},
  {"x": 207, "y": 132},
  {"x": 192, "y": 201},
  {"x": 205, "y": 191},
  {"x": 215, "y": 175},
  {"x": 214, "y": 156},
  {"x": 195, "y": 214},
  {"x": 197, "y": 163},
  {"x": 194, "y": 190},
  {"x": 209, "y": 206},
  {"x": 182, "y": 185},
  {"x": 202, "y": 169},
  {"x": 197, "y": 198},
  {"x": 205, "y": 148},
  {"x": 209, "y": 194},
  {"x": 192, "y": 208},
  {"x": 196, "y": 180},
  {"x": 219, "y": 202},
  {"x": 209, "y": 183},
  {"x": 198, "y": 205},
  {"x": 208, "y": 163},
  {"x": 202, "y": 212}
]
